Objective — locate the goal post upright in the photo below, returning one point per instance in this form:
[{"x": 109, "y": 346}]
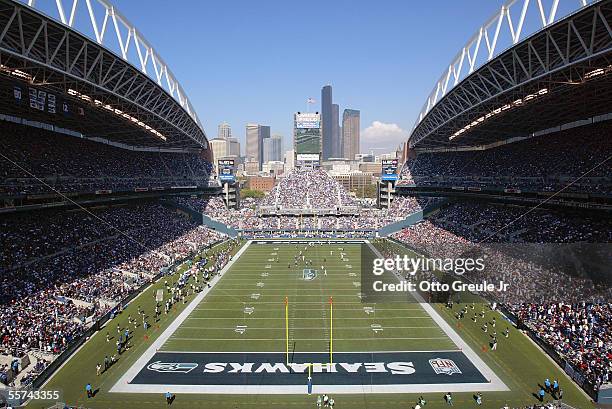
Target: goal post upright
[
  {"x": 287, "y": 328},
  {"x": 331, "y": 330}
]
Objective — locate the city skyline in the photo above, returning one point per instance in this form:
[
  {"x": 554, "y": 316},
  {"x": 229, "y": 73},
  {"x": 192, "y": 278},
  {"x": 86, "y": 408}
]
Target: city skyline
[
  {"x": 378, "y": 70},
  {"x": 339, "y": 139}
]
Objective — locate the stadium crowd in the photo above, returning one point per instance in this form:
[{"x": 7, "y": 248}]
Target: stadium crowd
[
  {"x": 304, "y": 190},
  {"x": 551, "y": 305},
  {"x": 51, "y": 290},
  {"x": 308, "y": 188},
  {"x": 73, "y": 164},
  {"x": 250, "y": 217},
  {"x": 542, "y": 163},
  {"x": 581, "y": 333}
]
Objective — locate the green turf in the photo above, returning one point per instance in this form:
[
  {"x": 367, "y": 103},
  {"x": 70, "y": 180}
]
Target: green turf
[
  {"x": 212, "y": 325},
  {"x": 518, "y": 362}
]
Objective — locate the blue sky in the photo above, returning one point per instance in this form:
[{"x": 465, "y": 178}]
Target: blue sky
[{"x": 258, "y": 61}]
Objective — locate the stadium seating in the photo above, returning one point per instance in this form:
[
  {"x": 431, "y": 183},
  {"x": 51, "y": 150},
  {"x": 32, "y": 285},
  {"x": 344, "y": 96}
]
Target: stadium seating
[
  {"x": 247, "y": 217},
  {"x": 543, "y": 163},
  {"x": 578, "y": 331},
  {"x": 308, "y": 188},
  {"x": 65, "y": 267},
  {"x": 41, "y": 161}
]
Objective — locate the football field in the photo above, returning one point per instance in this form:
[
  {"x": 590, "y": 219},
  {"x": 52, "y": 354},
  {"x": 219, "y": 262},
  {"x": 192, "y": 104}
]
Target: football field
[{"x": 286, "y": 311}]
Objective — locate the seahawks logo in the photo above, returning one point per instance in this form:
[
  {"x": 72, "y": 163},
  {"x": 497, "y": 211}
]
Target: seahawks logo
[
  {"x": 171, "y": 367},
  {"x": 308, "y": 274}
]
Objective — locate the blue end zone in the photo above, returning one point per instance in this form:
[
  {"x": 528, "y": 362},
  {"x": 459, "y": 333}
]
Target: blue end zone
[{"x": 378, "y": 368}]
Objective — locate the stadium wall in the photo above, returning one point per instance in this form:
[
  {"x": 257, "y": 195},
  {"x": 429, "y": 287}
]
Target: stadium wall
[
  {"x": 411, "y": 219},
  {"x": 201, "y": 218}
]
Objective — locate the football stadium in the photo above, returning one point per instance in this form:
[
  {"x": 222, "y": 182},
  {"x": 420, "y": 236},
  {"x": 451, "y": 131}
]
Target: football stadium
[{"x": 146, "y": 264}]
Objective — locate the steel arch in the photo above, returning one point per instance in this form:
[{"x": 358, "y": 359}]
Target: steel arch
[
  {"x": 56, "y": 55},
  {"x": 486, "y": 40},
  {"x": 162, "y": 74}
]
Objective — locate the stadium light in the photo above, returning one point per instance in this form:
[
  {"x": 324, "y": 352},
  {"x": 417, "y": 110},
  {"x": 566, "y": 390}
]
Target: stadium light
[
  {"x": 16, "y": 73},
  {"x": 597, "y": 72},
  {"x": 497, "y": 111},
  {"x": 117, "y": 112}
]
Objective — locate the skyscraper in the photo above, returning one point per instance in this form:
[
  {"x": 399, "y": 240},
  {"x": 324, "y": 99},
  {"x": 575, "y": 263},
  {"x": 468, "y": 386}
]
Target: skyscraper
[
  {"x": 327, "y": 124},
  {"x": 219, "y": 148},
  {"x": 336, "y": 136},
  {"x": 224, "y": 131},
  {"x": 273, "y": 149},
  {"x": 255, "y": 135},
  {"x": 350, "y": 133},
  {"x": 233, "y": 147}
]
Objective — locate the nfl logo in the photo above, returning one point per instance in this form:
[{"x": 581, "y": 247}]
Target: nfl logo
[{"x": 444, "y": 366}]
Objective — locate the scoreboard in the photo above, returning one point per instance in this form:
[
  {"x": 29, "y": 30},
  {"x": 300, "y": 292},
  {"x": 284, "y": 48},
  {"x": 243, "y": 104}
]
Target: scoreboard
[
  {"x": 227, "y": 170},
  {"x": 389, "y": 169}
]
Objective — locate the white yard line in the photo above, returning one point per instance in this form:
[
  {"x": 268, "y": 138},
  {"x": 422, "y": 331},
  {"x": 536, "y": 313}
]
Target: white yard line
[
  {"x": 303, "y": 339},
  {"x": 302, "y": 328},
  {"x": 320, "y": 352},
  {"x": 303, "y": 318}
]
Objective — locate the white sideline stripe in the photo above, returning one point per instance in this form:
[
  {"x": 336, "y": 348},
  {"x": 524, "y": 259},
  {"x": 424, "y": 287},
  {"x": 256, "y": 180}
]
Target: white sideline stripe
[
  {"x": 373, "y": 338},
  {"x": 301, "y": 389},
  {"x": 496, "y": 383},
  {"x": 131, "y": 373}
]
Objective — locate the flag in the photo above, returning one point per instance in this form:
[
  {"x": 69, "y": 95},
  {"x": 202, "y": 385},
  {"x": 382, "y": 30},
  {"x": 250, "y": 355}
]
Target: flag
[{"x": 310, "y": 101}]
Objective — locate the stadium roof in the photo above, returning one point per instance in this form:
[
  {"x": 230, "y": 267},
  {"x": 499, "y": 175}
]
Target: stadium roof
[
  {"x": 560, "y": 74},
  {"x": 106, "y": 95}
]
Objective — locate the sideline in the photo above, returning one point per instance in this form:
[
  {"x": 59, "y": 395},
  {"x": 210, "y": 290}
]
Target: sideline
[
  {"x": 488, "y": 373},
  {"x": 109, "y": 321},
  {"x": 122, "y": 385}
]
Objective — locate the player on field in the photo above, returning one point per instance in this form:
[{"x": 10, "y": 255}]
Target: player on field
[{"x": 449, "y": 399}]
